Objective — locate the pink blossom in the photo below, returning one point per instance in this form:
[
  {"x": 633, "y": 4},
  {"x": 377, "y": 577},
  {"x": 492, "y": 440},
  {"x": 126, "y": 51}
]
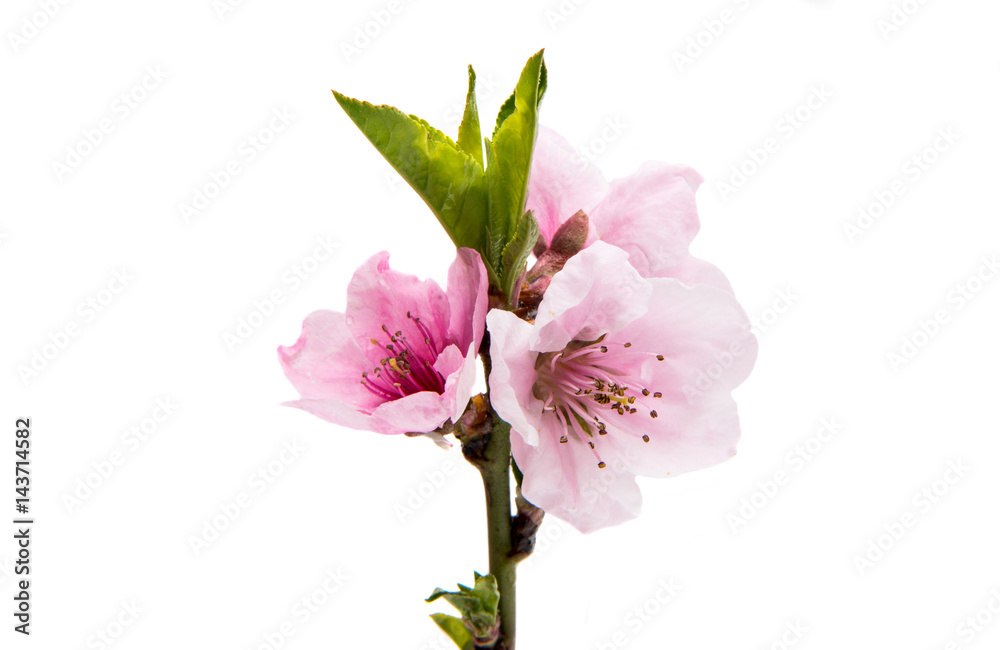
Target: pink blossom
[
  {"x": 403, "y": 356},
  {"x": 651, "y": 214},
  {"x": 618, "y": 376}
]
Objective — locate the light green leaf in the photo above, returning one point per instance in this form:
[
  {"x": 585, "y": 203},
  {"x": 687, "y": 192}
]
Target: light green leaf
[
  {"x": 456, "y": 630},
  {"x": 497, "y": 223},
  {"x": 516, "y": 252},
  {"x": 478, "y": 607},
  {"x": 449, "y": 180},
  {"x": 508, "y": 164},
  {"x": 470, "y": 139},
  {"x": 508, "y": 106}
]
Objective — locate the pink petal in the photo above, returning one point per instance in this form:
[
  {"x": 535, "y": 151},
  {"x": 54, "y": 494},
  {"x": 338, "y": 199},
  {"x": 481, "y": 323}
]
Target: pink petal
[
  {"x": 698, "y": 329},
  {"x": 561, "y": 182},
  {"x": 683, "y": 438},
  {"x": 565, "y": 481},
  {"x": 419, "y": 412},
  {"x": 326, "y": 362},
  {"x": 708, "y": 349},
  {"x": 340, "y": 412},
  {"x": 377, "y": 296},
  {"x": 651, "y": 214},
  {"x": 467, "y": 288},
  {"x": 596, "y": 292},
  {"x": 692, "y": 270},
  {"x": 459, "y": 372},
  {"x": 513, "y": 374}
]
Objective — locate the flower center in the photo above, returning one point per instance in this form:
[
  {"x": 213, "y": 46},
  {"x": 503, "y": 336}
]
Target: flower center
[
  {"x": 406, "y": 368},
  {"x": 585, "y": 387}
]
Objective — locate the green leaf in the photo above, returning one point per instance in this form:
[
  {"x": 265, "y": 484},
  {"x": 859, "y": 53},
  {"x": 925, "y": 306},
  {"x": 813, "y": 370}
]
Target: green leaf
[
  {"x": 543, "y": 82},
  {"x": 496, "y": 224},
  {"x": 516, "y": 252},
  {"x": 449, "y": 180},
  {"x": 470, "y": 139},
  {"x": 508, "y": 163},
  {"x": 505, "y": 110},
  {"x": 508, "y": 106},
  {"x": 456, "y": 630},
  {"x": 478, "y": 607}
]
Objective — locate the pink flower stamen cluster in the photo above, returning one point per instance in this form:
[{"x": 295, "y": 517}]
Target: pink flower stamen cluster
[
  {"x": 583, "y": 384},
  {"x": 405, "y": 370}
]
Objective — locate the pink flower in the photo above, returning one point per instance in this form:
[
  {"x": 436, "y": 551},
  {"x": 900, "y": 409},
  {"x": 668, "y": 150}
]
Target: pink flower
[
  {"x": 618, "y": 376},
  {"x": 652, "y": 214},
  {"x": 403, "y": 356}
]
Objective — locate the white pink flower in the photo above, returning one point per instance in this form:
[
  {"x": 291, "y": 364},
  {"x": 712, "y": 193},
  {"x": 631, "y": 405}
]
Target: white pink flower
[
  {"x": 605, "y": 384},
  {"x": 652, "y": 214},
  {"x": 402, "y": 358}
]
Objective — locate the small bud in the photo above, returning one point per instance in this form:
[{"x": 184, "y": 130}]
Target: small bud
[
  {"x": 571, "y": 236},
  {"x": 567, "y": 242}
]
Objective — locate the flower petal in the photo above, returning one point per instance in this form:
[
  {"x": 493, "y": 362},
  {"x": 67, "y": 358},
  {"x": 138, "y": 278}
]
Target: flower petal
[
  {"x": 704, "y": 336},
  {"x": 379, "y": 297},
  {"x": 326, "y": 362},
  {"x": 467, "y": 288},
  {"x": 459, "y": 372},
  {"x": 340, "y": 412},
  {"x": 513, "y": 374},
  {"x": 565, "y": 481},
  {"x": 701, "y": 331},
  {"x": 596, "y": 292},
  {"x": 420, "y": 412},
  {"x": 561, "y": 182},
  {"x": 651, "y": 214},
  {"x": 693, "y": 270},
  {"x": 685, "y": 437}
]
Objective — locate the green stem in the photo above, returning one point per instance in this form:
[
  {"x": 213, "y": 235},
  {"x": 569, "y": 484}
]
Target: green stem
[
  {"x": 496, "y": 481},
  {"x": 495, "y": 468}
]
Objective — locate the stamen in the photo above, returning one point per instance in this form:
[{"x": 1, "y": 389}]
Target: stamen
[
  {"x": 403, "y": 371},
  {"x": 583, "y": 382}
]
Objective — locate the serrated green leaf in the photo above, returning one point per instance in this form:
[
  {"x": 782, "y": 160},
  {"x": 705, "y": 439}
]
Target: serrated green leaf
[
  {"x": 456, "y": 630},
  {"x": 449, "y": 180},
  {"x": 505, "y": 110},
  {"x": 508, "y": 164},
  {"x": 514, "y": 143},
  {"x": 543, "y": 82},
  {"x": 508, "y": 106},
  {"x": 497, "y": 222},
  {"x": 516, "y": 252},
  {"x": 470, "y": 138}
]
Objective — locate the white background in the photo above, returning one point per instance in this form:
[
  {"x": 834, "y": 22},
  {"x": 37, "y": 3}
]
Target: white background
[{"x": 339, "y": 506}]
